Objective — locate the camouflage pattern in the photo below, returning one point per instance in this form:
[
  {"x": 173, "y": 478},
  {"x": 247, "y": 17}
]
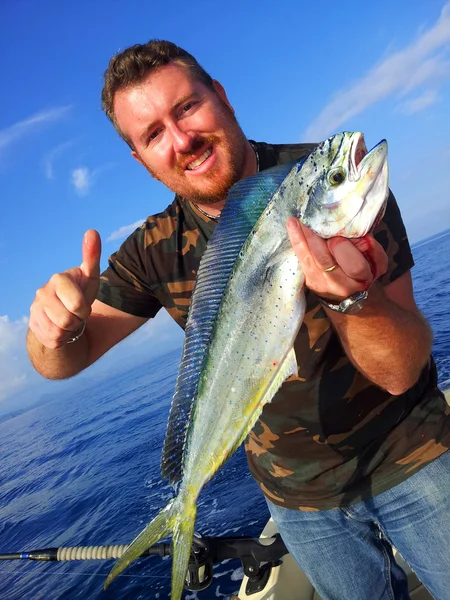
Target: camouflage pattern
[{"x": 330, "y": 437}]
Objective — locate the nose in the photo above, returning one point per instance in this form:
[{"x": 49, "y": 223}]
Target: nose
[{"x": 181, "y": 140}]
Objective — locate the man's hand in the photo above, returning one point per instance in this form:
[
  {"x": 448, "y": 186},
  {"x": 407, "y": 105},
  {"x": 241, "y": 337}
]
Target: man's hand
[
  {"x": 64, "y": 302},
  {"x": 336, "y": 268},
  {"x": 388, "y": 340}
]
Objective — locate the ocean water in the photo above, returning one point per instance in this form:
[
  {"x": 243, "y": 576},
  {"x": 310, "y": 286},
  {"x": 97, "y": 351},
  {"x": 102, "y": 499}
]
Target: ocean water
[
  {"x": 431, "y": 276},
  {"x": 84, "y": 470}
]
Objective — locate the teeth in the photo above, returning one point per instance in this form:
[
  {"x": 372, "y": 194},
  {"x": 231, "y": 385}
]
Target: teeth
[{"x": 196, "y": 163}]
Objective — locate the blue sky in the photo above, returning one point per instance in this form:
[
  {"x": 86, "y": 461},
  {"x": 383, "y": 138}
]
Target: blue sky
[{"x": 294, "y": 71}]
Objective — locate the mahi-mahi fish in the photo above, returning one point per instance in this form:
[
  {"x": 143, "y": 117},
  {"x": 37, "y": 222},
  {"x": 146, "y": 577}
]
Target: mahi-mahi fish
[{"x": 246, "y": 309}]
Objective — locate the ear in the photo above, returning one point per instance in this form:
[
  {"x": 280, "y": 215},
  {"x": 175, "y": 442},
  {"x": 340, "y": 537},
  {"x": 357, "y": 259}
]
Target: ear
[
  {"x": 220, "y": 91},
  {"x": 136, "y": 156}
]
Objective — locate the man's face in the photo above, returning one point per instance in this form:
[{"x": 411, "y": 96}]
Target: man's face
[{"x": 184, "y": 133}]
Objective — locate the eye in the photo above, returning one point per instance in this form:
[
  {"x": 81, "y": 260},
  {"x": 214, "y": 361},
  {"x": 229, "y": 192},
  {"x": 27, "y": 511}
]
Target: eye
[
  {"x": 187, "y": 107},
  {"x": 153, "y": 135},
  {"x": 336, "y": 176}
]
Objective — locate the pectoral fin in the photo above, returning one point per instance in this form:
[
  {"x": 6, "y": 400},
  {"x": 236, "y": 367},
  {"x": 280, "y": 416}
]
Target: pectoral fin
[{"x": 287, "y": 368}]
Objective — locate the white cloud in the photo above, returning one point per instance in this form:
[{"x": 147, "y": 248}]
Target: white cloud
[
  {"x": 82, "y": 180},
  {"x": 23, "y": 128},
  {"x": 414, "y": 105},
  {"x": 18, "y": 379},
  {"x": 11, "y": 334},
  {"x": 423, "y": 62},
  {"x": 50, "y": 157},
  {"x": 124, "y": 231},
  {"x": 15, "y": 367}
]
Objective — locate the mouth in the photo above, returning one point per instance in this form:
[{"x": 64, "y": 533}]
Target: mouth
[
  {"x": 358, "y": 151},
  {"x": 373, "y": 167},
  {"x": 364, "y": 165},
  {"x": 198, "y": 162}
]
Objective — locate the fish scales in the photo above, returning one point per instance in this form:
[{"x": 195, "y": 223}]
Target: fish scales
[
  {"x": 246, "y": 352},
  {"x": 243, "y": 208},
  {"x": 246, "y": 309}
]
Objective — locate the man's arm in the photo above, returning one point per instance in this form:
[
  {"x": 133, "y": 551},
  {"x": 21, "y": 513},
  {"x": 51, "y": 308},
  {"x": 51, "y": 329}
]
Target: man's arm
[
  {"x": 59, "y": 309},
  {"x": 105, "y": 327},
  {"x": 388, "y": 340}
]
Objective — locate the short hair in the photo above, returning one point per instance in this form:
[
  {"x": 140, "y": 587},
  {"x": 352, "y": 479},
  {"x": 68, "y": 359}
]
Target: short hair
[{"x": 134, "y": 64}]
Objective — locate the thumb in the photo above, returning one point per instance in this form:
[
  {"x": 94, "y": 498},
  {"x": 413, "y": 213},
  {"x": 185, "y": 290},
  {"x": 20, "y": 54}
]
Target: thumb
[{"x": 90, "y": 267}]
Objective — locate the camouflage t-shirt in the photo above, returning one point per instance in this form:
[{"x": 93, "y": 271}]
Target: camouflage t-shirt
[{"x": 329, "y": 437}]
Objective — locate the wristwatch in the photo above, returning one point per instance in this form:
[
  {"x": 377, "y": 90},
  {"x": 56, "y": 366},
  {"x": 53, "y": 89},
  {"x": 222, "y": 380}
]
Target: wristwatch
[{"x": 348, "y": 306}]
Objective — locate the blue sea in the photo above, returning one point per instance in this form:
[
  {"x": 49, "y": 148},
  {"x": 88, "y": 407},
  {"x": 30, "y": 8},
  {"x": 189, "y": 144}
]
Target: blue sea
[{"x": 84, "y": 470}]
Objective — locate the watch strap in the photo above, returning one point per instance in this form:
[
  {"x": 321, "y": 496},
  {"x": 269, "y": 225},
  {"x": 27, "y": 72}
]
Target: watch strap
[{"x": 349, "y": 305}]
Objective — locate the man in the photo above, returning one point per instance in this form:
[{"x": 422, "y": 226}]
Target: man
[{"x": 351, "y": 453}]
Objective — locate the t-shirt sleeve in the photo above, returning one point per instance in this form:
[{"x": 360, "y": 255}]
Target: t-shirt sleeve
[
  {"x": 123, "y": 285},
  {"x": 391, "y": 234}
]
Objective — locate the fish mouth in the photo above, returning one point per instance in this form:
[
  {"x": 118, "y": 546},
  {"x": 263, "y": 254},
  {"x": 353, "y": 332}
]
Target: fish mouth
[
  {"x": 352, "y": 206},
  {"x": 363, "y": 164},
  {"x": 372, "y": 169},
  {"x": 358, "y": 151}
]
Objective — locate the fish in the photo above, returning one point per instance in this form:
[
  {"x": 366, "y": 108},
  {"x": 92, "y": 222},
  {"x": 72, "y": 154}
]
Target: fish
[{"x": 246, "y": 309}]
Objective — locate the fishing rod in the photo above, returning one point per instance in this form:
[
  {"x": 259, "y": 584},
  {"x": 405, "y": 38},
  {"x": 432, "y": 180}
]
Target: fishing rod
[{"x": 257, "y": 555}]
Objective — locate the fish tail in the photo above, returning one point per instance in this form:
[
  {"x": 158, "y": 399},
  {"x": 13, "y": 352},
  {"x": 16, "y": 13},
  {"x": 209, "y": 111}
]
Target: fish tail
[
  {"x": 161, "y": 526},
  {"x": 183, "y": 534},
  {"x": 178, "y": 519}
]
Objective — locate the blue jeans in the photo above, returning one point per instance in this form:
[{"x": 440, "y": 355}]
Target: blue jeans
[{"x": 346, "y": 552}]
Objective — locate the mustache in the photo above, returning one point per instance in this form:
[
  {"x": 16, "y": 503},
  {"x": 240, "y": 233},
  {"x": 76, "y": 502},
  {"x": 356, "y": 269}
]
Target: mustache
[
  {"x": 196, "y": 144},
  {"x": 192, "y": 153}
]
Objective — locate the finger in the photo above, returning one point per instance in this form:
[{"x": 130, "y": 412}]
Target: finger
[
  {"x": 300, "y": 246},
  {"x": 46, "y": 332},
  {"x": 374, "y": 254},
  {"x": 63, "y": 318},
  {"x": 351, "y": 260},
  {"x": 323, "y": 258},
  {"x": 90, "y": 267},
  {"x": 68, "y": 304},
  {"x": 42, "y": 337},
  {"x": 294, "y": 231},
  {"x": 91, "y": 251}
]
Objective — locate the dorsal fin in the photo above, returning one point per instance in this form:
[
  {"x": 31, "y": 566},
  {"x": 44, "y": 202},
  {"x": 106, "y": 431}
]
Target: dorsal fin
[{"x": 245, "y": 204}]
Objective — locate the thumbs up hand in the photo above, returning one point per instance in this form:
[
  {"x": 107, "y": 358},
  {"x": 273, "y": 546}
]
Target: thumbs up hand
[{"x": 63, "y": 304}]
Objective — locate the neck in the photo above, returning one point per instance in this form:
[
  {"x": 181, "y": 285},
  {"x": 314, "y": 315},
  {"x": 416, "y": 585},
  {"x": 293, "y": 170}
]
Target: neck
[{"x": 251, "y": 166}]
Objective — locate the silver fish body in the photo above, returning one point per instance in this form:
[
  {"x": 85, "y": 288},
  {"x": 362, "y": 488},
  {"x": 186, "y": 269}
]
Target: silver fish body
[{"x": 246, "y": 309}]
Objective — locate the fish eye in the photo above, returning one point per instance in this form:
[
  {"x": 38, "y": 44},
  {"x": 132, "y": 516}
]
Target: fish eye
[{"x": 336, "y": 176}]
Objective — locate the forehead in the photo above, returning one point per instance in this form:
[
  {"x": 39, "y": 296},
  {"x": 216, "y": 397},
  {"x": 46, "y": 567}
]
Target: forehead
[{"x": 156, "y": 94}]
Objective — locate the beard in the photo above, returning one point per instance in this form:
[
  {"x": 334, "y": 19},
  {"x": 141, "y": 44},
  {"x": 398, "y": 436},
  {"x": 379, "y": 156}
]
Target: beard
[{"x": 214, "y": 185}]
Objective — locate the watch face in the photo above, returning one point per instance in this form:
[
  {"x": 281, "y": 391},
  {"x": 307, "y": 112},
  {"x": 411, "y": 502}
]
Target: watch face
[
  {"x": 354, "y": 303},
  {"x": 354, "y": 307},
  {"x": 350, "y": 305}
]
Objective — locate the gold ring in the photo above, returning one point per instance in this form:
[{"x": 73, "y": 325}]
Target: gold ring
[{"x": 330, "y": 269}]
